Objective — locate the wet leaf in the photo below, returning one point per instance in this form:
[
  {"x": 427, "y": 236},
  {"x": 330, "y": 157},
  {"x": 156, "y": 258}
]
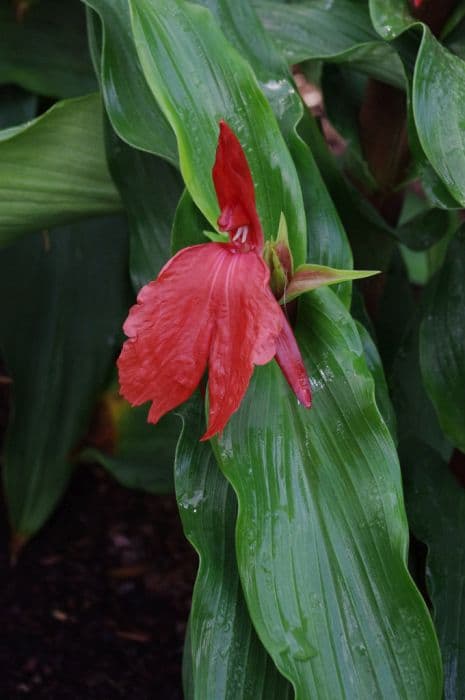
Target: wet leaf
[
  {"x": 442, "y": 342},
  {"x": 131, "y": 107},
  {"x": 175, "y": 41},
  {"x": 47, "y": 51},
  {"x": 53, "y": 170},
  {"x": 227, "y": 660},
  {"x": 436, "y": 508},
  {"x": 150, "y": 190},
  {"x": 322, "y": 527},
  {"x": 60, "y": 321}
]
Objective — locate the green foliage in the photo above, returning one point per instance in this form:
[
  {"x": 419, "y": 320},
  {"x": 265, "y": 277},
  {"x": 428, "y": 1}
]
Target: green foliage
[
  {"x": 219, "y": 622},
  {"x": 58, "y": 338},
  {"x": 45, "y": 51},
  {"x": 442, "y": 341},
  {"x": 321, "y": 520},
  {"x": 65, "y": 179}
]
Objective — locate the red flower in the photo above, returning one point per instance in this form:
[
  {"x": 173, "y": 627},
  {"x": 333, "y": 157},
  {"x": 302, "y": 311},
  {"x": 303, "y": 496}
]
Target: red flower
[{"x": 211, "y": 305}]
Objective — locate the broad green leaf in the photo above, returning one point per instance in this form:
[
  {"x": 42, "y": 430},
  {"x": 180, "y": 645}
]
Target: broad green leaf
[
  {"x": 188, "y": 225},
  {"x": 422, "y": 265},
  {"x": 150, "y": 189},
  {"x": 374, "y": 364},
  {"x": 420, "y": 227},
  {"x": 227, "y": 659},
  {"x": 53, "y": 170},
  {"x": 416, "y": 418},
  {"x": 321, "y": 532},
  {"x": 143, "y": 455},
  {"x": 395, "y": 312},
  {"x": 326, "y": 239},
  {"x": 63, "y": 299},
  {"x": 434, "y": 188},
  {"x": 425, "y": 234},
  {"x": 132, "y": 109},
  {"x": 436, "y": 508},
  {"x": 390, "y": 17},
  {"x": 438, "y": 99},
  {"x": 339, "y": 32},
  {"x": 47, "y": 51},
  {"x": 438, "y": 94},
  {"x": 442, "y": 342},
  {"x": 343, "y": 94},
  {"x": 176, "y": 42},
  {"x": 455, "y": 40}
]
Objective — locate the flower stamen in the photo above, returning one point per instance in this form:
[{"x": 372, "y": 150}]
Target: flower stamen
[{"x": 241, "y": 234}]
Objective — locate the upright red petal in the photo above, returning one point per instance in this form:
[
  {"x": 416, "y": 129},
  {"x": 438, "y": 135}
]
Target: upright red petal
[
  {"x": 235, "y": 192},
  {"x": 249, "y": 321},
  {"x": 292, "y": 366}
]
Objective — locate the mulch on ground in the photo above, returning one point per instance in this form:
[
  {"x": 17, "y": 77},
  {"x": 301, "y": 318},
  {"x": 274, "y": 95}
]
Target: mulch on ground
[{"x": 96, "y": 606}]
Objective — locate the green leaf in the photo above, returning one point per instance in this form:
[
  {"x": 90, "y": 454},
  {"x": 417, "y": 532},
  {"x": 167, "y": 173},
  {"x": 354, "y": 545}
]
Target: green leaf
[
  {"x": 416, "y": 417},
  {"x": 216, "y": 237},
  {"x": 436, "y": 508},
  {"x": 396, "y": 309},
  {"x": 321, "y": 532},
  {"x": 442, "y": 342},
  {"x": 150, "y": 189},
  {"x": 227, "y": 659},
  {"x": 425, "y": 234},
  {"x": 188, "y": 226},
  {"x": 434, "y": 188},
  {"x": 53, "y": 170},
  {"x": 343, "y": 94},
  {"x": 176, "y": 42},
  {"x": 438, "y": 99},
  {"x": 390, "y": 17},
  {"x": 143, "y": 456},
  {"x": 339, "y": 32},
  {"x": 438, "y": 93},
  {"x": 47, "y": 51},
  {"x": 63, "y": 299},
  {"x": 309, "y": 277},
  {"x": 374, "y": 364},
  {"x": 421, "y": 227},
  {"x": 132, "y": 109},
  {"x": 454, "y": 32}
]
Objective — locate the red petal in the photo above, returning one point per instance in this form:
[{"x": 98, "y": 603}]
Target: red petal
[
  {"x": 169, "y": 333},
  {"x": 292, "y": 366},
  {"x": 249, "y": 323},
  {"x": 235, "y": 189},
  {"x": 209, "y": 303}
]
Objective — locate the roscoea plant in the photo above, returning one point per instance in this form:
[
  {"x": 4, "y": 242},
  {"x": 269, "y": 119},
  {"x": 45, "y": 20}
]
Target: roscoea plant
[{"x": 305, "y": 586}]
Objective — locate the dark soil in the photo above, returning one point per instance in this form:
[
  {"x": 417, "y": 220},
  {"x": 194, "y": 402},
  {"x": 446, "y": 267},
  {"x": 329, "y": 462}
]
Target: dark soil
[{"x": 97, "y": 604}]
